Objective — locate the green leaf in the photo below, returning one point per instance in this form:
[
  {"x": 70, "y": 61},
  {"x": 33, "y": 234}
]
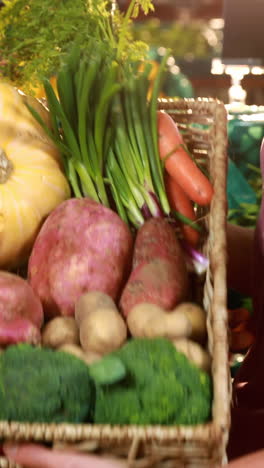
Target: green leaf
[{"x": 107, "y": 371}]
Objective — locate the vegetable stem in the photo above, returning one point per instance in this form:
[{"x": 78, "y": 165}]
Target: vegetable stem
[
  {"x": 186, "y": 220},
  {"x": 156, "y": 164}
]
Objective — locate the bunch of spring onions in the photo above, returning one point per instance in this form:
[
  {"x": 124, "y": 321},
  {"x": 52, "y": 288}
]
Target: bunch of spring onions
[{"x": 105, "y": 127}]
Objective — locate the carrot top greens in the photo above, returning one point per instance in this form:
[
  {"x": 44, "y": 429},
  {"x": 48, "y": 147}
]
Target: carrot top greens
[{"x": 36, "y": 35}]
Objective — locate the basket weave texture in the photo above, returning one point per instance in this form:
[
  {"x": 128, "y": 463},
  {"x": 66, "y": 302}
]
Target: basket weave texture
[{"x": 204, "y": 125}]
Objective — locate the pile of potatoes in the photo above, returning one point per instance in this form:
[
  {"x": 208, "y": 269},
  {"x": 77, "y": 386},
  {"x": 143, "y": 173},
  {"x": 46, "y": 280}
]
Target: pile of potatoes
[{"x": 98, "y": 328}]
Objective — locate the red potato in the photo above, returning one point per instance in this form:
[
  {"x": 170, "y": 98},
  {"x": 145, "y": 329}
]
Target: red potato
[
  {"x": 18, "y": 330},
  {"x": 160, "y": 281},
  {"x": 157, "y": 238},
  {"x": 82, "y": 246},
  {"x": 18, "y": 300}
]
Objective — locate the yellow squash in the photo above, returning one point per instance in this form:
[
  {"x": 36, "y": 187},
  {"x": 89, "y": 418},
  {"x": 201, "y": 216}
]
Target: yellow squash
[
  {"x": 32, "y": 182},
  {"x": 15, "y": 118}
]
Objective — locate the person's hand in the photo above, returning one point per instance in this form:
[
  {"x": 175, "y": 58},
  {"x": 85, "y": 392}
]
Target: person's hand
[
  {"x": 253, "y": 460},
  {"x": 38, "y": 456}
]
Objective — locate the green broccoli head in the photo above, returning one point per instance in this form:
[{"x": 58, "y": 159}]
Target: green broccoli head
[
  {"x": 161, "y": 387},
  {"x": 42, "y": 385}
]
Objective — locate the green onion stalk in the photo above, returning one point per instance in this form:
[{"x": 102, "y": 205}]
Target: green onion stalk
[
  {"x": 133, "y": 167},
  {"x": 86, "y": 85},
  {"x": 105, "y": 127},
  {"x": 103, "y": 122}
]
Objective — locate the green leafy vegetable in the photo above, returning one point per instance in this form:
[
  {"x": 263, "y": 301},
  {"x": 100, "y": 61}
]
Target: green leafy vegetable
[
  {"x": 107, "y": 371},
  {"x": 42, "y": 385},
  {"x": 36, "y": 35},
  {"x": 161, "y": 387}
]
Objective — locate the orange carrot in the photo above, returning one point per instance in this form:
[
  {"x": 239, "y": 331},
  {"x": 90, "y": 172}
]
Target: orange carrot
[
  {"x": 181, "y": 203},
  {"x": 179, "y": 164}
]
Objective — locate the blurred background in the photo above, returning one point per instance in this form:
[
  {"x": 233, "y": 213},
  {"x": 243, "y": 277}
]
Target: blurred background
[{"x": 194, "y": 31}]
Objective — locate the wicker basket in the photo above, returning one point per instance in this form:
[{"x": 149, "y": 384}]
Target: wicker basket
[{"x": 204, "y": 123}]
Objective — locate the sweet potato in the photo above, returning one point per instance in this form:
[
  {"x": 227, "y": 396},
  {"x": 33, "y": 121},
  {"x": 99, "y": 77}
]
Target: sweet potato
[
  {"x": 159, "y": 274},
  {"x": 156, "y": 238},
  {"x": 82, "y": 246},
  {"x": 18, "y": 300},
  {"x": 159, "y": 281}
]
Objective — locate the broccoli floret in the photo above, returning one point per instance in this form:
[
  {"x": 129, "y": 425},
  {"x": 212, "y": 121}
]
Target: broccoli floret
[
  {"x": 42, "y": 385},
  {"x": 161, "y": 387}
]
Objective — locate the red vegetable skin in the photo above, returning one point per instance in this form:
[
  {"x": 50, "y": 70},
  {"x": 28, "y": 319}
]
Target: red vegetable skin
[
  {"x": 179, "y": 164},
  {"x": 158, "y": 281},
  {"x": 159, "y": 273},
  {"x": 181, "y": 203},
  {"x": 82, "y": 246},
  {"x": 157, "y": 238},
  {"x": 18, "y": 300},
  {"x": 18, "y": 330}
]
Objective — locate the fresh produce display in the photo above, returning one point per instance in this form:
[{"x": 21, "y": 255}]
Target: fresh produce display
[
  {"x": 186, "y": 320},
  {"x": 161, "y": 387},
  {"x": 98, "y": 128},
  {"x": 100, "y": 198},
  {"x": 42, "y": 385},
  {"x": 157, "y": 281},
  {"x": 60, "y": 331},
  {"x": 21, "y": 312},
  {"x": 53, "y": 386},
  {"x": 159, "y": 273},
  {"x": 76, "y": 350},
  {"x": 156, "y": 238},
  {"x": 107, "y": 371},
  {"x": 194, "y": 352},
  {"x": 91, "y": 301},
  {"x": 179, "y": 164},
  {"x": 102, "y": 331},
  {"x": 82, "y": 246},
  {"x": 18, "y": 330}
]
